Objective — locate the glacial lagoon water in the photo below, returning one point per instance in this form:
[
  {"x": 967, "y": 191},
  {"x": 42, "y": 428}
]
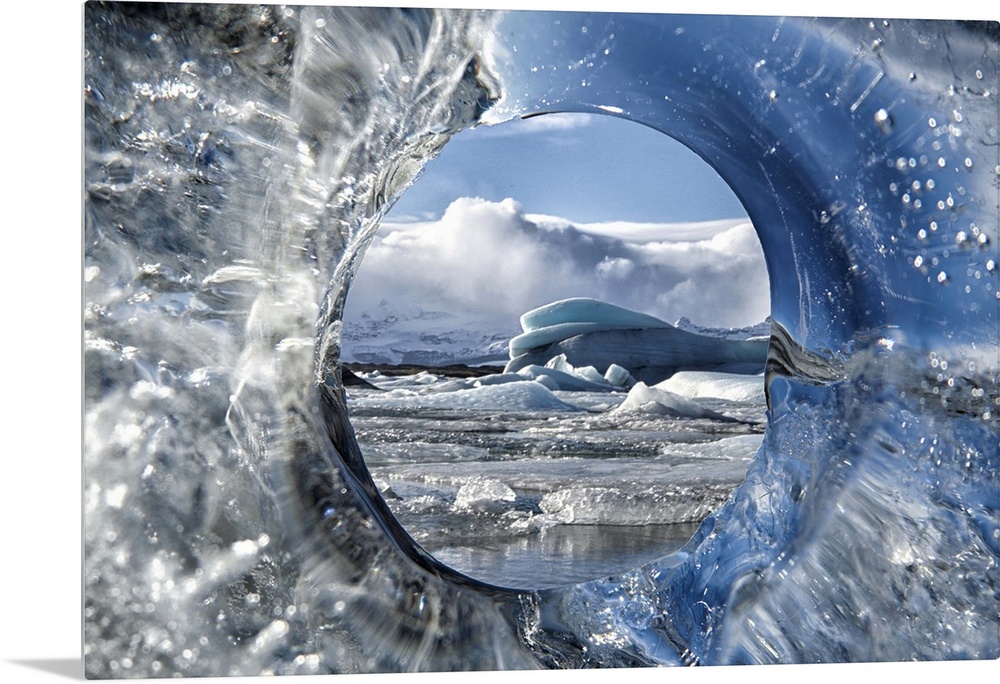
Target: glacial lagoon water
[
  {"x": 545, "y": 494},
  {"x": 238, "y": 160}
]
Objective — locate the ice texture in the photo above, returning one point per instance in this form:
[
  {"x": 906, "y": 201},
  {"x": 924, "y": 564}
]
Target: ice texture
[
  {"x": 518, "y": 394},
  {"x": 238, "y": 160},
  {"x": 644, "y": 399},
  {"x": 734, "y": 387}
]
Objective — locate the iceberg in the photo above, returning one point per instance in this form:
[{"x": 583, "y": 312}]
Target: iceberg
[
  {"x": 575, "y": 316},
  {"x": 653, "y": 400},
  {"x": 522, "y": 394},
  {"x": 647, "y": 348}
]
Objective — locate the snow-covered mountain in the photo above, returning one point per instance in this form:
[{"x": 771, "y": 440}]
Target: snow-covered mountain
[
  {"x": 758, "y": 330},
  {"x": 412, "y": 335}
]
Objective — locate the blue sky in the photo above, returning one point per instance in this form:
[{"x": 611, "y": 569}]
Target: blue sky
[
  {"x": 513, "y": 216},
  {"x": 583, "y": 167}
]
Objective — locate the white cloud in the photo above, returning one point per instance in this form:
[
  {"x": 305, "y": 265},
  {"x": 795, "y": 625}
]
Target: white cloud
[
  {"x": 489, "y": 258},
  {"x": 615, "y": 269},
  {"x": 543, "y": 123}
]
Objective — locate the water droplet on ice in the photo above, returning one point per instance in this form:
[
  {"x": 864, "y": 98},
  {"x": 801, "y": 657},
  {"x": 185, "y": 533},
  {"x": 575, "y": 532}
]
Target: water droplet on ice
[{"x": 942, "y": 277}]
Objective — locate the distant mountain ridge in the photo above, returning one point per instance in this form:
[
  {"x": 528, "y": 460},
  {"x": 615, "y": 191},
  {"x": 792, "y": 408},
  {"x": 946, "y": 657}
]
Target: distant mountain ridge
[{"x": 416, "y": 336}]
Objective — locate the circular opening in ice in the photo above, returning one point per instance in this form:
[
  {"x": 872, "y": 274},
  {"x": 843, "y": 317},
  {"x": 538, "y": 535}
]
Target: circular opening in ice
[{"x": 554, "y": 350}]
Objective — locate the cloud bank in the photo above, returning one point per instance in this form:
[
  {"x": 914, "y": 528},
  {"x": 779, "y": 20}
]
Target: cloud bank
[{"x": 490, "y": 261}]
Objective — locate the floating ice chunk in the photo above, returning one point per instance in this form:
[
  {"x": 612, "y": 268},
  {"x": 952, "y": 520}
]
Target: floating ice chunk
[
  {"x": 704, "y": 384},
  {"x": 618, "y": 376},
  {"x": 498, "y": 379},
  {"x": 524, "y": 395},
  {"x": 651, "y": 400},
  {"x": 483, "y": 494},
  {"x": 651, "y": 505},
  {"x": 560, "y": 363},
  {"x": 589, "y": 373},
  {"x": 548, "y": 382},
  {"x": 568, "y": 382}
]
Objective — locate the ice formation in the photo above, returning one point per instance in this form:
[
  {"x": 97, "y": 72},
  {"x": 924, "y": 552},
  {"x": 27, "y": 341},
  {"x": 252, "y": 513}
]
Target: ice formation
[
  {"x": 730, "y": 386},
  {"x": 644, "y": 399},
  {"x": 588, "y": 332}
]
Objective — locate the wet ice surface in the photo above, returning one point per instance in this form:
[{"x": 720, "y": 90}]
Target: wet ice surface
[{"x": 561, "y": 489}]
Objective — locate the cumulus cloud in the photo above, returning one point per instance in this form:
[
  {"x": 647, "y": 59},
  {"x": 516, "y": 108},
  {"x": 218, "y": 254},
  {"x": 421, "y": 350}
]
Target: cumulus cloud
[
  {"x": 546, "y": 123},
  {"x": 489, "y": 260}
]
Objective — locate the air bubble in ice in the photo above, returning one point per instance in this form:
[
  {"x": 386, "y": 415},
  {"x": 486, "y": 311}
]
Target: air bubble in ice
[{"x": 883, "y": 120}]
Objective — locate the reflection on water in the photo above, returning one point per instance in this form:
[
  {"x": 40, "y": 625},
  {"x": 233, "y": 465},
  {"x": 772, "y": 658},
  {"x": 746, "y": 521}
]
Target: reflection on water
[{"x": 565, "y": 554}]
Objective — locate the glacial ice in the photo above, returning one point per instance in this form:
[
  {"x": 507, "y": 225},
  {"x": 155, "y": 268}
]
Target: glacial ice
[
  {"x": 483, "y": 494},
  {"x": 644, "y": 399},
  {"x": 572, "y": 382},
  {"x": 587, "y": 310},
  {"x": 522, "y": 395},
  {"x": 730, "y": 386},
  {"x": 577, "y": 316},
  {"x": 590, "y": 333}
]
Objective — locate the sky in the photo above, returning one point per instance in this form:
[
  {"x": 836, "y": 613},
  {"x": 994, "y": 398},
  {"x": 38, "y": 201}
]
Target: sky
[
  {"x": 583, "y": 167},
  {"x": 514, "y": 216}
]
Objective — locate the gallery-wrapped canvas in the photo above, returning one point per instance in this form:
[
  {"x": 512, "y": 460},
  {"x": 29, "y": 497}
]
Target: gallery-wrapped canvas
[{"x": 821, "y": 488}]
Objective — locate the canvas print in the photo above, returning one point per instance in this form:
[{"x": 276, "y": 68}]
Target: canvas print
[{"x": 422, "y": 339}]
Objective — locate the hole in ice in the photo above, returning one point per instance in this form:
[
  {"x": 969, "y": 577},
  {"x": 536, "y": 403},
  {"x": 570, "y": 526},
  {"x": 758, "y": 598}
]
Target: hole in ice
[{"x": 594, "y": 433}]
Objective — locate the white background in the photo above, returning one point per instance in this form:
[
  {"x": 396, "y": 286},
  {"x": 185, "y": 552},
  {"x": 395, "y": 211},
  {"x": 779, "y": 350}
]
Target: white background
[{"x": 40, "y": 550}]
